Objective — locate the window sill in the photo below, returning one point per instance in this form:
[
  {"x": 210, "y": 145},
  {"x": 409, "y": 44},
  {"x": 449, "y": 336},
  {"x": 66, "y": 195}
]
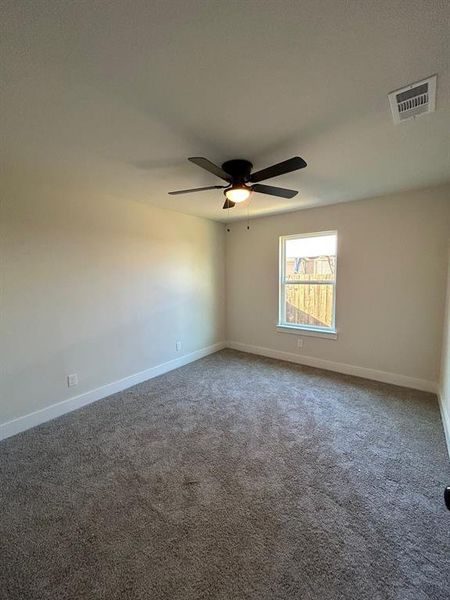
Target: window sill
[{"x": 310, "y": 331}]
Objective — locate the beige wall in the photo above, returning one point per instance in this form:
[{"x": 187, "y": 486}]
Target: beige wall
[
  {"x": 103, "y": 287},
  {"x": 444, "y": 387},
  {"x": 98, "y": 286},
  {"x": 392, "y": 259}
]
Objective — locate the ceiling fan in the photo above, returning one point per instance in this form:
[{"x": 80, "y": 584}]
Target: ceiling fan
[{"x": 241, "y": 182}]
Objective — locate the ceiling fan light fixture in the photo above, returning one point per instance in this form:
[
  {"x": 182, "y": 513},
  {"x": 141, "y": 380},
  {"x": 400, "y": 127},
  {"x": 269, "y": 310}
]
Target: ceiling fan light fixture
[{"x": 238, "y": 193}]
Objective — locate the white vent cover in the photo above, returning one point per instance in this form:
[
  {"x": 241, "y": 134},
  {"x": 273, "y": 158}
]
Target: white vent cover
[{"x": 413, "y": 100}]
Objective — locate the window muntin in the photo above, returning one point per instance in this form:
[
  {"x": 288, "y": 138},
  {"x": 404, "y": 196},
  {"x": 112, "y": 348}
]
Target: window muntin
[{"x": 308, "y": 281}]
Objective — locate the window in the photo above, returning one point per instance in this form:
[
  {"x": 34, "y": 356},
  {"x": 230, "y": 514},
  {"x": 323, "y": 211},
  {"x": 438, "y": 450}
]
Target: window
[{"x": 308, "y": 282}]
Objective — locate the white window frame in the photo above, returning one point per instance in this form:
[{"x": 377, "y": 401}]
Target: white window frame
[{"x": 313, "y": 330}]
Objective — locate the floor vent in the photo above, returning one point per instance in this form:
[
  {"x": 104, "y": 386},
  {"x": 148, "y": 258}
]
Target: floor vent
[{"x": 413, "y": 100}]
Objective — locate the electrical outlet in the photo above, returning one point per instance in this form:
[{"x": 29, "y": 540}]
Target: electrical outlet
[
  {"x": 72, "y": 380},
  {"x": 300, "y": 343},
  {"x": 178, "y": 346}
]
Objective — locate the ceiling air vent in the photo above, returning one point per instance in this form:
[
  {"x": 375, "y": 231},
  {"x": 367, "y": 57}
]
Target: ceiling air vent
[{"x": 413, "y": 100}]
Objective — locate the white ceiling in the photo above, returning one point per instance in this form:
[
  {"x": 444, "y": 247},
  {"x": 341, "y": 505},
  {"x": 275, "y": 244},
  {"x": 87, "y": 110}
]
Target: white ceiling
[{"x": 121, "y": 93}]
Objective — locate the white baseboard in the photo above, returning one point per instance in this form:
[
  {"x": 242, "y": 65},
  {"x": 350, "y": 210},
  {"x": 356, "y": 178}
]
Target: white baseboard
[
  {"x": 60, "y": 408},
  {"x": 56, "y": 410},
  {"x": 445, "y": 421},
  {"x": 311, "y": 361}
]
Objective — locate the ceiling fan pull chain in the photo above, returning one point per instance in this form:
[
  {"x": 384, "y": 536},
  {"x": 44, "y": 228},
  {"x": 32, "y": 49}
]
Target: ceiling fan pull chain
[{"x": 228, "y": 224}]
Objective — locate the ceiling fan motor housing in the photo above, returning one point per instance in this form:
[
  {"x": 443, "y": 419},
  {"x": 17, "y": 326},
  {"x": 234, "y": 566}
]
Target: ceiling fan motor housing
[{"x": 238, "y": 169}]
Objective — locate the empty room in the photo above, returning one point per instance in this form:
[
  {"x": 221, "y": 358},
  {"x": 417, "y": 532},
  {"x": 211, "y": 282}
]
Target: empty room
[{"x": 225, "y": 300}]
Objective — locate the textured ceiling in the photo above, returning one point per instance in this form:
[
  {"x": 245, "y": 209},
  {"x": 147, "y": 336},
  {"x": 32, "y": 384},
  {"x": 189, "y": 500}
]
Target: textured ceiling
[{"x": 121, "y": 93}]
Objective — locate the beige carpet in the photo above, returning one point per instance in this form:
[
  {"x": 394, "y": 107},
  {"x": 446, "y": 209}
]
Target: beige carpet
[{"x": 235, "y": 477}]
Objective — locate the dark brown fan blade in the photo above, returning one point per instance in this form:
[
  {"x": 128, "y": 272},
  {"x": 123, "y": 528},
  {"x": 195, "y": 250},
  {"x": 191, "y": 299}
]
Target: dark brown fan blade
[
  {"x": 204, "y": 163},
  {"x": 274, "y": 191},
  {"x": 229, "y": 204},
  {"x": 292, "y": 164},
  {"x": 210, "y": 187}
]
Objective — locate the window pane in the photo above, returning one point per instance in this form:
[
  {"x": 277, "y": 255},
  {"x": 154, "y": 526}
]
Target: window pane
[
  {"x": 311, "y": 258},
  {"x": 315, "y": 245},
  {"x": 309, "y": 304},
  {"x": 322, "y": 268}
]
